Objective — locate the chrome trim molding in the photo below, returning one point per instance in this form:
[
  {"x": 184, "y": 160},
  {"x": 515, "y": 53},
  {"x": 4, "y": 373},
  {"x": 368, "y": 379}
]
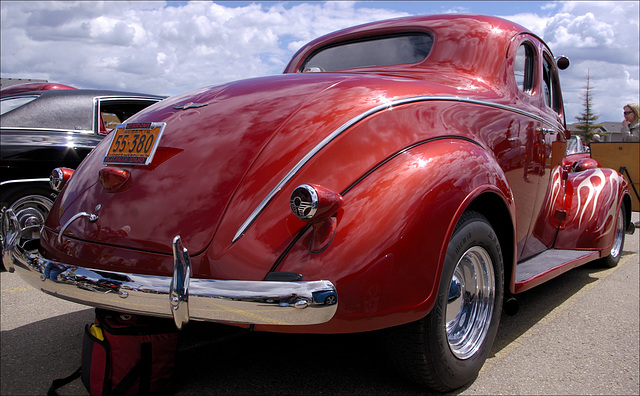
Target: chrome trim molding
[
  {"x": 180, "y": 283},
  {"x": 231, "y": 301},
  {"x": 46, "y": 180},
  {"x": 80, "y": 131},
  {"x": 91, "y": 216},
  {"x": 387, "y": 105}
]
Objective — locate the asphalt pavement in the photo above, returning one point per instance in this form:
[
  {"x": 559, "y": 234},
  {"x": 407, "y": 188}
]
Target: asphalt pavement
[{"x": 575, "y": 335}]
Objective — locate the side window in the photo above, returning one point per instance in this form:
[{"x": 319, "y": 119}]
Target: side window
[
  {"x": 550, "y": 85},
  {"x": 524, "y": 67},
  {"x": 6, "y": 105}
]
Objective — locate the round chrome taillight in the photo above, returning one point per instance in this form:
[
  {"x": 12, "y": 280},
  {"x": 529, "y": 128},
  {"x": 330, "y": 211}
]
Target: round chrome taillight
[
  {"x": 59, "y": 177},
  {"x": 312, "y": 203},
  {"x": 304, "y": 202}
]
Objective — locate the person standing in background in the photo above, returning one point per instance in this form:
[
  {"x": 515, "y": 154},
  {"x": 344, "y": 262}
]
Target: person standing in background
[{"x": 630, "y": 127}]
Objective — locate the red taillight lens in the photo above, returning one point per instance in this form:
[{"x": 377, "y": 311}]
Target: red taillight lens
[
  {"x": 112, "y": 179},
  {"x": 59, "y": 178},
  {"x": 586, "y": 163}
]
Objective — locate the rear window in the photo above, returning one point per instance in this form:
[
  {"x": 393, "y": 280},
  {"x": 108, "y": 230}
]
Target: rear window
[
  {"x": 6, "y": 105},
  {"x": 377, "y": 51}
]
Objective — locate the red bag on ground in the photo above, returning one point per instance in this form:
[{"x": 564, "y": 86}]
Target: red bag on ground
[{"x": 124, "y": 354}]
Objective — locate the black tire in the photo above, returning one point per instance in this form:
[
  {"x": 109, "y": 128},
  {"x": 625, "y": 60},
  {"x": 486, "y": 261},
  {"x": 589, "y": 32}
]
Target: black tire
[
  {"x": 330, "y": 300},
  {"x": 429, "y": 351},
  {"x": 613, "y": 258}
]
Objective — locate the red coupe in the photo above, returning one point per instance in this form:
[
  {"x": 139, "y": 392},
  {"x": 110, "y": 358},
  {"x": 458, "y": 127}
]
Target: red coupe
[{"x": 403, "y": 175}]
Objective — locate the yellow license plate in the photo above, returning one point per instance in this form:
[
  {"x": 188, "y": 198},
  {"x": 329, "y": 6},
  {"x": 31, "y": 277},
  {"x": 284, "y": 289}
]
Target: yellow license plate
[{"x": 134, "y": 143}]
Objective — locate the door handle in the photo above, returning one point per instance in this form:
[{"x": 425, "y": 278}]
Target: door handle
[{"x": 544, "y": 131}]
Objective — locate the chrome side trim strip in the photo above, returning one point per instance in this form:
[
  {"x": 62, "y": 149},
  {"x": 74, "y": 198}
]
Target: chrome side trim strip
[
  {"x": 231, "y": 301},
  {"x": 46, "y": 180},
  {"x": 260, "y": 208}
]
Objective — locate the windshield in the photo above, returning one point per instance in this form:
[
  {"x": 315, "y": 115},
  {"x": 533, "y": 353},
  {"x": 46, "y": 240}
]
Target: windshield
[
  {"x": 575, "y": 146},
  {"x": 377, "y": 51}
]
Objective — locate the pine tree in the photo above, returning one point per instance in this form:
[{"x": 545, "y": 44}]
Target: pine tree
[{"x": 587, "y": 120}]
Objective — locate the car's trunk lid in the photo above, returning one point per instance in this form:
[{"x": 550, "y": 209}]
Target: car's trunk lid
[{"x": 211, "y": 138}]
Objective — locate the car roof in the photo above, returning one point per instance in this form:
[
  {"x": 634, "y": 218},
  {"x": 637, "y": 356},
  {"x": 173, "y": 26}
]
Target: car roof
[
  {"x": 466, "y": 44},
  {"x": 61, "y": 109},
  {"x": 33, "y": 86}
]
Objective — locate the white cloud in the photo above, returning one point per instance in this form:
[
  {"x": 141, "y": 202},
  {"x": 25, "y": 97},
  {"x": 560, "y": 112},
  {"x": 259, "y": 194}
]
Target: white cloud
[
  {"x": 600, "y": 38},
  {"x": 155, "y": 48},
  {"x": 146, "y": 46}
]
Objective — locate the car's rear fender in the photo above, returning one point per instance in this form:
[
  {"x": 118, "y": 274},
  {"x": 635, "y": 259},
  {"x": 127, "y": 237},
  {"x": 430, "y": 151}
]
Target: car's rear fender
[
  {"x": 592, "y": 200},
  {"x": 392, "y": 233}
]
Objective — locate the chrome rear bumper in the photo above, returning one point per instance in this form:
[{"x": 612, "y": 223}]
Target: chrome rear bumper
[{"x": 180, "y": 296}]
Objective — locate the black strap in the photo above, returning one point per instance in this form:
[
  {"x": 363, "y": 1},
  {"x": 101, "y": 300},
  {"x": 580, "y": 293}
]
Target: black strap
[
  {"x": 145, "y": 374},
  {"x": 127, "y": 381},
  {"x": 142, "y": 369},
  {"x": 60, "y": 382}
]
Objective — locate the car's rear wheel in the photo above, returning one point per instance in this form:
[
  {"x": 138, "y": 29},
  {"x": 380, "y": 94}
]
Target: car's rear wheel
[
  {"x": 613, "y": 258},
  {"x": 30, "y": 205},
  {"x": 446, "y": 349}
]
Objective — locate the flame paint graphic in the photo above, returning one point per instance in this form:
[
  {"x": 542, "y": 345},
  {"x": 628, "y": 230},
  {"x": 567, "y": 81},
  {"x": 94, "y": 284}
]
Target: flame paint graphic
[
  {"x": 556, "y": 189},
  {"x": 594, "y": 184},
  {"x": 612, "y": 212}
]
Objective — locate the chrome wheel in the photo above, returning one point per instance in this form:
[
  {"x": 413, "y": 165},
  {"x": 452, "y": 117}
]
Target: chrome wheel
[
  {"x": 618, "y": 238},
  {"x": 470, "y": 302},
  {"x": 613, "y": 258},
  {"x": 447, "y": 348},
  {"x": 30, "y": 212}
]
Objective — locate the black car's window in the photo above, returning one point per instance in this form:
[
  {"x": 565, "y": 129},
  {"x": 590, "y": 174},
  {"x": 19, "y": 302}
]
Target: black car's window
[
  {"x": 110, "y": 120},
  {"x": 524, "y": 67},
  {"x": 550, "y": 85},
  {"x": 380, "y": 51},
  {"x": 6, "y": 105},
  {"x": 116, "y": 111}
]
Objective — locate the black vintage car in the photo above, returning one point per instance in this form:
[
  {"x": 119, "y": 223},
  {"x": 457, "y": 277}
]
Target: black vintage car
[{"x": 45, "y": 129}]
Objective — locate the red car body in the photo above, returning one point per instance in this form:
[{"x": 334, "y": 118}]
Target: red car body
[{"x": 398, "y": 155}]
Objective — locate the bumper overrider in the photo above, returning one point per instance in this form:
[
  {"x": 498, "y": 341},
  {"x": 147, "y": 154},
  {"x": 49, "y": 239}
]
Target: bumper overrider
[{"x": 180, "y": 296}]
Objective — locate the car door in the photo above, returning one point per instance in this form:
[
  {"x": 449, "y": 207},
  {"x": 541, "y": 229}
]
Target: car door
[
  {"x": 530, "y": 182},
  {"x": 551, "y": 140}
]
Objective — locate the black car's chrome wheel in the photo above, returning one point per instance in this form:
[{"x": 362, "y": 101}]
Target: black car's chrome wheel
[{"x": 30, "y": 208}]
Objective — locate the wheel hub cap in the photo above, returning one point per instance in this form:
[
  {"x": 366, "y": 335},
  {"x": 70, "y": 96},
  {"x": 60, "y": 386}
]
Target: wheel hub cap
[{"x": 470, "y": 302}]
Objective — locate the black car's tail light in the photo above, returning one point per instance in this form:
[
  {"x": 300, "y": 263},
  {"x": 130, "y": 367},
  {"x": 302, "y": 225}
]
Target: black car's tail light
[{"x": 59, "y": 177}]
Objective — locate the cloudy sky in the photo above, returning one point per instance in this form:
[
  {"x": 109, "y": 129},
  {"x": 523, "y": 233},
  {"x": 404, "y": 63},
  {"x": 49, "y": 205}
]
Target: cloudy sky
[{"x": 170, "y": 47}]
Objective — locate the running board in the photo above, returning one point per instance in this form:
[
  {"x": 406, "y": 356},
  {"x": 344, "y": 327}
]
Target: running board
[{"x": 548, "y": 265}]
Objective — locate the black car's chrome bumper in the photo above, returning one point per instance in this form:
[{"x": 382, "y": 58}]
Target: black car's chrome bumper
[{"x": 180, "y": 296}]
